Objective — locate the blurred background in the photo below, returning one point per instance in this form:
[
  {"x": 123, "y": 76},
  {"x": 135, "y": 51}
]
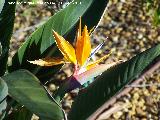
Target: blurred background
[{"x": 128, "y": 27}]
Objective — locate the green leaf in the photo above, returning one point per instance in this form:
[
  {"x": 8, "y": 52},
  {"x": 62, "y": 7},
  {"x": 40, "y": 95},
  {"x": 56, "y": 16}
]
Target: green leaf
[
  {"x": 3, "y": 94},
  {"x": 6, "y": 22},
  {"x": 41, "y": 43},
  {"x": 25, "y": 88},
  {"x": 1, "y": 5},
  {"x": 110, "y": 83}
]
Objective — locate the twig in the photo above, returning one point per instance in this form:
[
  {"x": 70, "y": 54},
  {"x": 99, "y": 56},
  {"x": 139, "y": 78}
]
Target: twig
[
  {"x": 112, "y": 110},
  {"x": 106, "y": 105},
  {"x": 143, "y": 85}
]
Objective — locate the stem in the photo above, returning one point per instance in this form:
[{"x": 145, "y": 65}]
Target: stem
[
  {"x": 143, "y": 85},
  {"x": 70, "y": 84}
]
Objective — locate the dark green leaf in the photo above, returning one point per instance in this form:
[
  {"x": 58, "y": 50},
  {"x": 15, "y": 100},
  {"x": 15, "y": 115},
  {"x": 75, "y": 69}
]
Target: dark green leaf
[
  {"x": 3, "y": 94},
  {"x": 26, "y": 89},
  {"x": 41, "y": 42},
  {"x": 110, "y": 83},
  {"x": 6, "y": 26}
]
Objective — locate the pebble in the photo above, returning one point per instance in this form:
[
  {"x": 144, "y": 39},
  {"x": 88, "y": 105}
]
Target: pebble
[
  {"x": 117, "y": 115},
  {"x": 140, "y": 112},
  {"x": 52, "y": 87}
]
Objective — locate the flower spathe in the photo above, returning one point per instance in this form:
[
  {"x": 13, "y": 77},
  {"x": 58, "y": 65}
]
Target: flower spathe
[{"x": 80, "y": 55}]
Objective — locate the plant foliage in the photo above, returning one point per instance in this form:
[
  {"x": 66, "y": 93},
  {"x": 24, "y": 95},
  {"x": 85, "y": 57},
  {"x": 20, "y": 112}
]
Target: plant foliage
[{"x": 22, "y": 92}]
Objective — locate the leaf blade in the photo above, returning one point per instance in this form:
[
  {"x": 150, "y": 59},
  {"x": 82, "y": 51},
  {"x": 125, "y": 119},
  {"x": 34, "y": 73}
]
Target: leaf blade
[{"x": 27, "y": 90}]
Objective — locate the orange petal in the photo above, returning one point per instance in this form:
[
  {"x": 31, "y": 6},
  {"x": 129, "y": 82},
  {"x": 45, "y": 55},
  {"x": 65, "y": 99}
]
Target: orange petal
[
  {"x": 65, "y": 47},
  {"x": 93, "y": 64},
  {"x": 48, "y": 61},
  {"x": 83, "y": 46}
]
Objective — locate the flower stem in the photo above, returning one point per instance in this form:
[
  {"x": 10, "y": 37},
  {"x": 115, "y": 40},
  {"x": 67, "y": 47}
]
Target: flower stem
[{"x": 69, "y": 85}]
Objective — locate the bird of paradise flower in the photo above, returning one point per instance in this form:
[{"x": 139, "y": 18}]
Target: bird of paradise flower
[{"x": 80, "y": 56}]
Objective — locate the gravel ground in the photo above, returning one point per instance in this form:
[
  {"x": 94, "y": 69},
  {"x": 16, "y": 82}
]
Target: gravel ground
[{"x": 130, "y": 31}]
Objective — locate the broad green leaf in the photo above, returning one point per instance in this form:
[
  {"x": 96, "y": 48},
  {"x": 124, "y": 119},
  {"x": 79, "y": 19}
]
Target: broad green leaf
[
  {"x": 1, "y": 5},
  {"x": 6, "y": 26},
  {"x": 110, "y": 83},
  {"x": 41, "y": 43},
  {"x": 25, "y": 88},
  {"x": 3, "y": 94}
]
